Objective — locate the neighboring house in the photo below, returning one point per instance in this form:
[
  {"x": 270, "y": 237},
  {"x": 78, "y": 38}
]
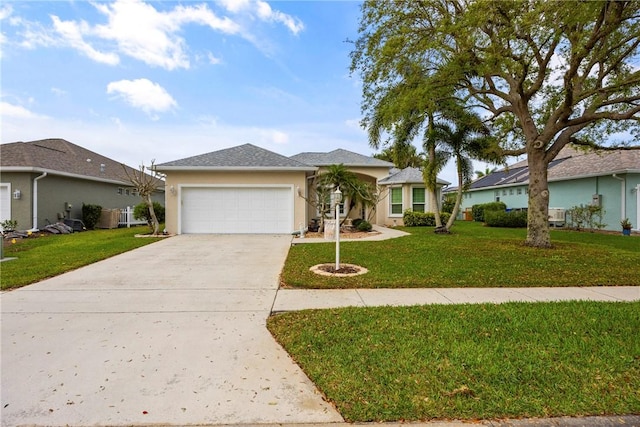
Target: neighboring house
[
  {"x": 47, "y": 181},
  {"x": 610, "y": 179},
  {"x": 247, "y": 189}
]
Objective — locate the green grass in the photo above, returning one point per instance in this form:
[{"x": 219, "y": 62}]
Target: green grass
[
  {"x": 470, "y": 361},
  {"x": 38, "y": 258},
  {"x": 473, "y": 256}
]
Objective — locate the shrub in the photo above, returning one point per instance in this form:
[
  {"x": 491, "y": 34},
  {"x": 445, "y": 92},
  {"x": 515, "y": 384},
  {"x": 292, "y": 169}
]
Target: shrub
[
  {"x": 510, "y": 219},
  {"x": 422, "y": 219},
  {"x": 141, "y": 211},
  {"x": 91, "y": 215},
  {"x": 477, "y": 211},
  {"x": 364, "y": 226},
  {"x": 588, "y": 216},
  {"x": 8, "y": 225},
  {"x": 356, "y": 222}
]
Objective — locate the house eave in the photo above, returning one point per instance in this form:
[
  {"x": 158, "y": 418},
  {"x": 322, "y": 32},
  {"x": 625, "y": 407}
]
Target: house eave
[
  {"x": 558, "y": 179},
  {"x": 234, "y": 169},
  {"x": 27, "y": 169}
]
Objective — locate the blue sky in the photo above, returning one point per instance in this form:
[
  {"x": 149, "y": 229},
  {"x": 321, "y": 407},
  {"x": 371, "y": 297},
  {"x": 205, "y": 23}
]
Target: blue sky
[{"x": 138, "y": 80}]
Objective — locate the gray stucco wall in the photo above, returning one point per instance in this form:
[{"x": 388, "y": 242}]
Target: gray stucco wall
[{"x": 55, "y": 191}]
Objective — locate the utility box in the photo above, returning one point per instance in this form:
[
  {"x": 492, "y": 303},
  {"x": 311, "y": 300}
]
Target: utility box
[
  {"x": 109, "y": 218},
  {"x": 596, "y": 200},
  {"x": 557, "y": 217}
]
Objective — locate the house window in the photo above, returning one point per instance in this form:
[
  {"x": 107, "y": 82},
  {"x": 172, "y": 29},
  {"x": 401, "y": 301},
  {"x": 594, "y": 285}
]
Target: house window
[
  {"x": 127, "y": 192},
  {"x": 120, "y": 191},
  {"x": 519, "y": 190},
  {"x": 396, "y": 201},
  {"x": 418, "y": 199},
  {"x": 504, "y": 192},
  {"x": 328, "y": 205},
  {"x": 511, "y": 191}
]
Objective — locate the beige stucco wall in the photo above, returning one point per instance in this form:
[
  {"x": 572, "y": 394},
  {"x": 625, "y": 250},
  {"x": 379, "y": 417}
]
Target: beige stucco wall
[
  {"x": 179, "y": 179},
  {"x": 368, "y": 174},
  {"x": 384, "y": 206}
]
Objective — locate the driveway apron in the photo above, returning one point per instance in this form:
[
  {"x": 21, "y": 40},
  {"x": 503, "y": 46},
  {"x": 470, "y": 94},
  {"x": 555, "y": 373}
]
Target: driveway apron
[{"x": 171, "y": 333}]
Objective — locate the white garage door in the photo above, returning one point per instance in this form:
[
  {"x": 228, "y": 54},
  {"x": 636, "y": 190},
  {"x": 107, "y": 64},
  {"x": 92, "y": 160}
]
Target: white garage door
[
  {"x": 237, "y": 210},
  {"x": 5, "y": 202}
]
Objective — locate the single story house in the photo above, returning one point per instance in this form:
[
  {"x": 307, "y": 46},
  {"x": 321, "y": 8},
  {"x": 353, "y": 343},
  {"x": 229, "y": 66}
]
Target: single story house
[
  {"x": 608, "y": 178},
  {"x": 48, "y": 180},
  {"x": 247, "y": 189}
]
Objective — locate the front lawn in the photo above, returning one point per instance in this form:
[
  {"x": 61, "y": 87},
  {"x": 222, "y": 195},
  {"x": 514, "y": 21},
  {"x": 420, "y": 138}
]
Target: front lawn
[
  {"x": 470, "y": 361},
  {"x": 38, "y": 258},
  {"x": 473, "y": 256}
]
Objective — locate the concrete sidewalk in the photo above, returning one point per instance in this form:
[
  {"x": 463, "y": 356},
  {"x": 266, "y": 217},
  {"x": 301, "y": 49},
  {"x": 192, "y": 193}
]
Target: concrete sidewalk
[{"x": 302, "y": 299}]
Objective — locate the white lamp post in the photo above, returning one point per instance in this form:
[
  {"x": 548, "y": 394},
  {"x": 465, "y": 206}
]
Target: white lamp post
[{"x": 337, "y": 199}]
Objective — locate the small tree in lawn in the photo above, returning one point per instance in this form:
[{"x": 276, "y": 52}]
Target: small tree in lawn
[{"x": 145, "y": 184}]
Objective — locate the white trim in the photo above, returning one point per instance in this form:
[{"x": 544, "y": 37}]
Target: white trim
[
  {"x": 391, "y": 214},
  {"x": 637, "y": 207},
  {"x": 292, "y": 213},
  {"x": 237, "y": 168},
  {"x": 8, "y": 185},
  {"x": 68, "y": 175}
]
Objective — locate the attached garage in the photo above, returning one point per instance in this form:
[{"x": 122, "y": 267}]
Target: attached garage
[
  {"x": 238, "y": 190},
  {"x": 237, "y": 209}
]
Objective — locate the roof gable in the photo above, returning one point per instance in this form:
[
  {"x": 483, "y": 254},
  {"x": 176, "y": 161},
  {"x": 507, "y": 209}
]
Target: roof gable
[
  {"x": 407, "y": 175},
  {"x": 246, "y": 156},
  {"x": 58, "y": 155},
  {"x": 340, "y": 156}
]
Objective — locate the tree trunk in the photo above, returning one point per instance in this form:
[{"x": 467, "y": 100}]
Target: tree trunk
[
  {"x": 538, "y": 234},
  {"x": 456, "y": 206},
  {"x": 432, "y": 187},
  {"x": 155, "y": 225}
]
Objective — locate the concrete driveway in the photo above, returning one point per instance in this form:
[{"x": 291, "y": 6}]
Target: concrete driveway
[{"x": 171, "y": 333}]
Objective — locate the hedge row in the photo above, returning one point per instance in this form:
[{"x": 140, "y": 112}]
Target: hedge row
[
  {"x": 422, "y": 219},
  {"x": 477, "y": 211},
  {"x": 512, "y": 219}
]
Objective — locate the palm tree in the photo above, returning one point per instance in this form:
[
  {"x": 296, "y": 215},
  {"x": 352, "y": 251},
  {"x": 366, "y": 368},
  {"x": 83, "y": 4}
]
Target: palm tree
[
  {"x": 487, "y": 171},
  {"x": 463, "y": 138},
  {"x": 354, "y": 190},
  {"x": 402, "y": 155}
]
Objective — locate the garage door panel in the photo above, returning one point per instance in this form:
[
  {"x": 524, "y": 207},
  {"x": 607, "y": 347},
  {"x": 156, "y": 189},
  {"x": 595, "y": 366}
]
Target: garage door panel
[{"x": 246, "y": 210}]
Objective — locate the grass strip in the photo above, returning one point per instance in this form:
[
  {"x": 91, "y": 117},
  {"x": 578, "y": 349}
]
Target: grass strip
[
  {"x": 473, "y": 256},
  {"x": 470, "y": 361},
  {"x": 38, "y": 258}
]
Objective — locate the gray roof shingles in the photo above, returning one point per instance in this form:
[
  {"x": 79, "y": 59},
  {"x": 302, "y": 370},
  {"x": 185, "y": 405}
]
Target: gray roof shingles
[
  {"x": 240, "y": 157},
  {"x": 340, "y": 156},
  {"x": 407, "y": 176},
  {"x": 59, "y": 155},
  {"x": 569, "y": 163}
]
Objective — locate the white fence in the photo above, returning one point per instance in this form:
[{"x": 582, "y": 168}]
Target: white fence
[{"x": 126, "y": 218}]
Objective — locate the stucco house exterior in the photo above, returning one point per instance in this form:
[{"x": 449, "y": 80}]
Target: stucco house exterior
[
  {"x": 48, "y": 180},
  {"x": 406, "y": 191},
  {"x": 247, "y": 189},
  {"x": 576, "y": 177}
]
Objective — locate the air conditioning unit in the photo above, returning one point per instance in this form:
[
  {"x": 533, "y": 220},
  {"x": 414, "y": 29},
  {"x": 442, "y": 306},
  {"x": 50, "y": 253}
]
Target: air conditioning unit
[{"x": 557, "y": 217}]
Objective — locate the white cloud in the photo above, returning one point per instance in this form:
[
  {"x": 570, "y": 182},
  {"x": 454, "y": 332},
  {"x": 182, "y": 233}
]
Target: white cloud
[
  {"x": 58, "y": 92},
  {"x": 144, "y": 94},
  {"x": 17, "y": 111},
  {"x": 139, "y": 30},
  {"x": 72, "y": 34},
  {"x": 265, "y": 13},
  {"x": 213, "y": 60}
]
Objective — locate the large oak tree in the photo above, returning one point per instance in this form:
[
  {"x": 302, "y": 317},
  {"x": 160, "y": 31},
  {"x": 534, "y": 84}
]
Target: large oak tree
[{"x": 545, "y": 73}]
